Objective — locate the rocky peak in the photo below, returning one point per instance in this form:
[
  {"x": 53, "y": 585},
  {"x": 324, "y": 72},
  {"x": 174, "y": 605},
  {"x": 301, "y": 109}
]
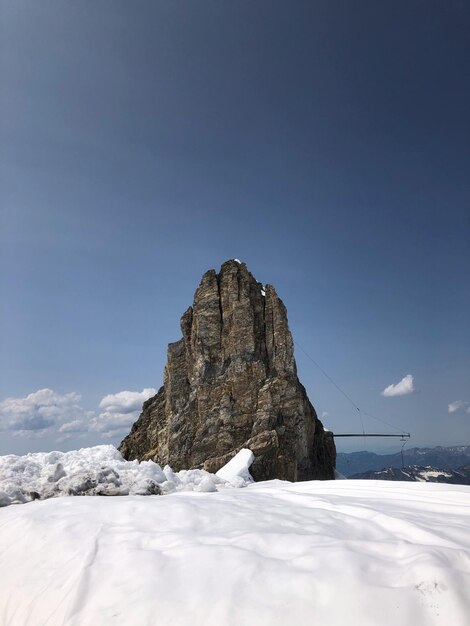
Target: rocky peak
[{"x": 231, "y": 382}]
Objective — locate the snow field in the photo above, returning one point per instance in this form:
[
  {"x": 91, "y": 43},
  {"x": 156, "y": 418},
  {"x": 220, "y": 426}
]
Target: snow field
[{"x": 365, "y": 553}]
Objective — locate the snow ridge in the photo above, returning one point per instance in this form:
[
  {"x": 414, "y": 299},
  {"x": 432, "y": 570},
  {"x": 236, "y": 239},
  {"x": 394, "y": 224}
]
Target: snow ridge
[{"x": 101, "y": 471}]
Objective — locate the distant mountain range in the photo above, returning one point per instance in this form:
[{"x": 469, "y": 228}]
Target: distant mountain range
[
  {"x": 416, "y": 461},
  {"x": 460, "y": 476}
]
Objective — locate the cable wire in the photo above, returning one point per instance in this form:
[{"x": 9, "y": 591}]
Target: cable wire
[
  {"x": 346, "y": 395},
  {"x": 327, "y": 376},
  {"x": 403, "y": 430}
]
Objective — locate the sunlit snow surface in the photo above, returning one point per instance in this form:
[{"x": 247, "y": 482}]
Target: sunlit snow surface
[{"x": 364, "y": 553}]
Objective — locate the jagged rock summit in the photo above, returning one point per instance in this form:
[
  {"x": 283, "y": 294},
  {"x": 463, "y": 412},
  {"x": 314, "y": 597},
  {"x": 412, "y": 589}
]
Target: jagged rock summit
[{"x": 231, "y": 383}]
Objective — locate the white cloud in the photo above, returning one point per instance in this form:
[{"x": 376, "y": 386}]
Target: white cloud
[
  {"x": 126, "y": 401},
  {"x": 47, "y": 412},
  {"x": 120, "y": 411},
  {"x": 458, "y": 404},
  {"x": 403, "y": 388},
  {"x": 39, "y": 412},
  {"x": 75, "y": 426}
]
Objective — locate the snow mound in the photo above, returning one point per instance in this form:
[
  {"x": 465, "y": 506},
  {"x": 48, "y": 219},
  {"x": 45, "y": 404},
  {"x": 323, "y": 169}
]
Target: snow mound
[{"x": 102, "y": 471}]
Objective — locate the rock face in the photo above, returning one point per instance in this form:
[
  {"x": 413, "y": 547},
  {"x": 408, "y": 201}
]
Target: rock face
[{"x": 231, "y": 383}]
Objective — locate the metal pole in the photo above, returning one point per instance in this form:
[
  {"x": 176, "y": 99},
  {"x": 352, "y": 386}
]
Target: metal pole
[{"x": 370, "y": 435}]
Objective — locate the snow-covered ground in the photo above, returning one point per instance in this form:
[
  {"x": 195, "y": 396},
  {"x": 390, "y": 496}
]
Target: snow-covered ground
[{"x": 364, "y": 553}]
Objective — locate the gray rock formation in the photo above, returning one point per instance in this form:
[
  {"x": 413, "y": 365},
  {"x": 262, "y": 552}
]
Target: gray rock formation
[{"x": 231, "y": 383}]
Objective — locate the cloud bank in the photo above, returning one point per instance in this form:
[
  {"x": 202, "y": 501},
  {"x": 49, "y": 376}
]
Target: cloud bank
[
  {"x": 47, "y": 412},
  {"x": 403, "y": 388},
  {"x": 39, "y": 412}
]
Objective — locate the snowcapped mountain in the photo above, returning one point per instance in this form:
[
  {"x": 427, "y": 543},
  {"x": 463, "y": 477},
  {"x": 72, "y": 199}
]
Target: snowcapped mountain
[
  {"x": 460, "y": 476},
  {"x": 447, "y": 458}
]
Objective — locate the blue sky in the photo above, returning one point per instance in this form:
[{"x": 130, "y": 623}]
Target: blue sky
[{"x": 326, "y": 144}]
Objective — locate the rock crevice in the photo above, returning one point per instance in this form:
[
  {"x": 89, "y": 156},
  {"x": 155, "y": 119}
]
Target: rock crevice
[{"x": 231, "y": 382}]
